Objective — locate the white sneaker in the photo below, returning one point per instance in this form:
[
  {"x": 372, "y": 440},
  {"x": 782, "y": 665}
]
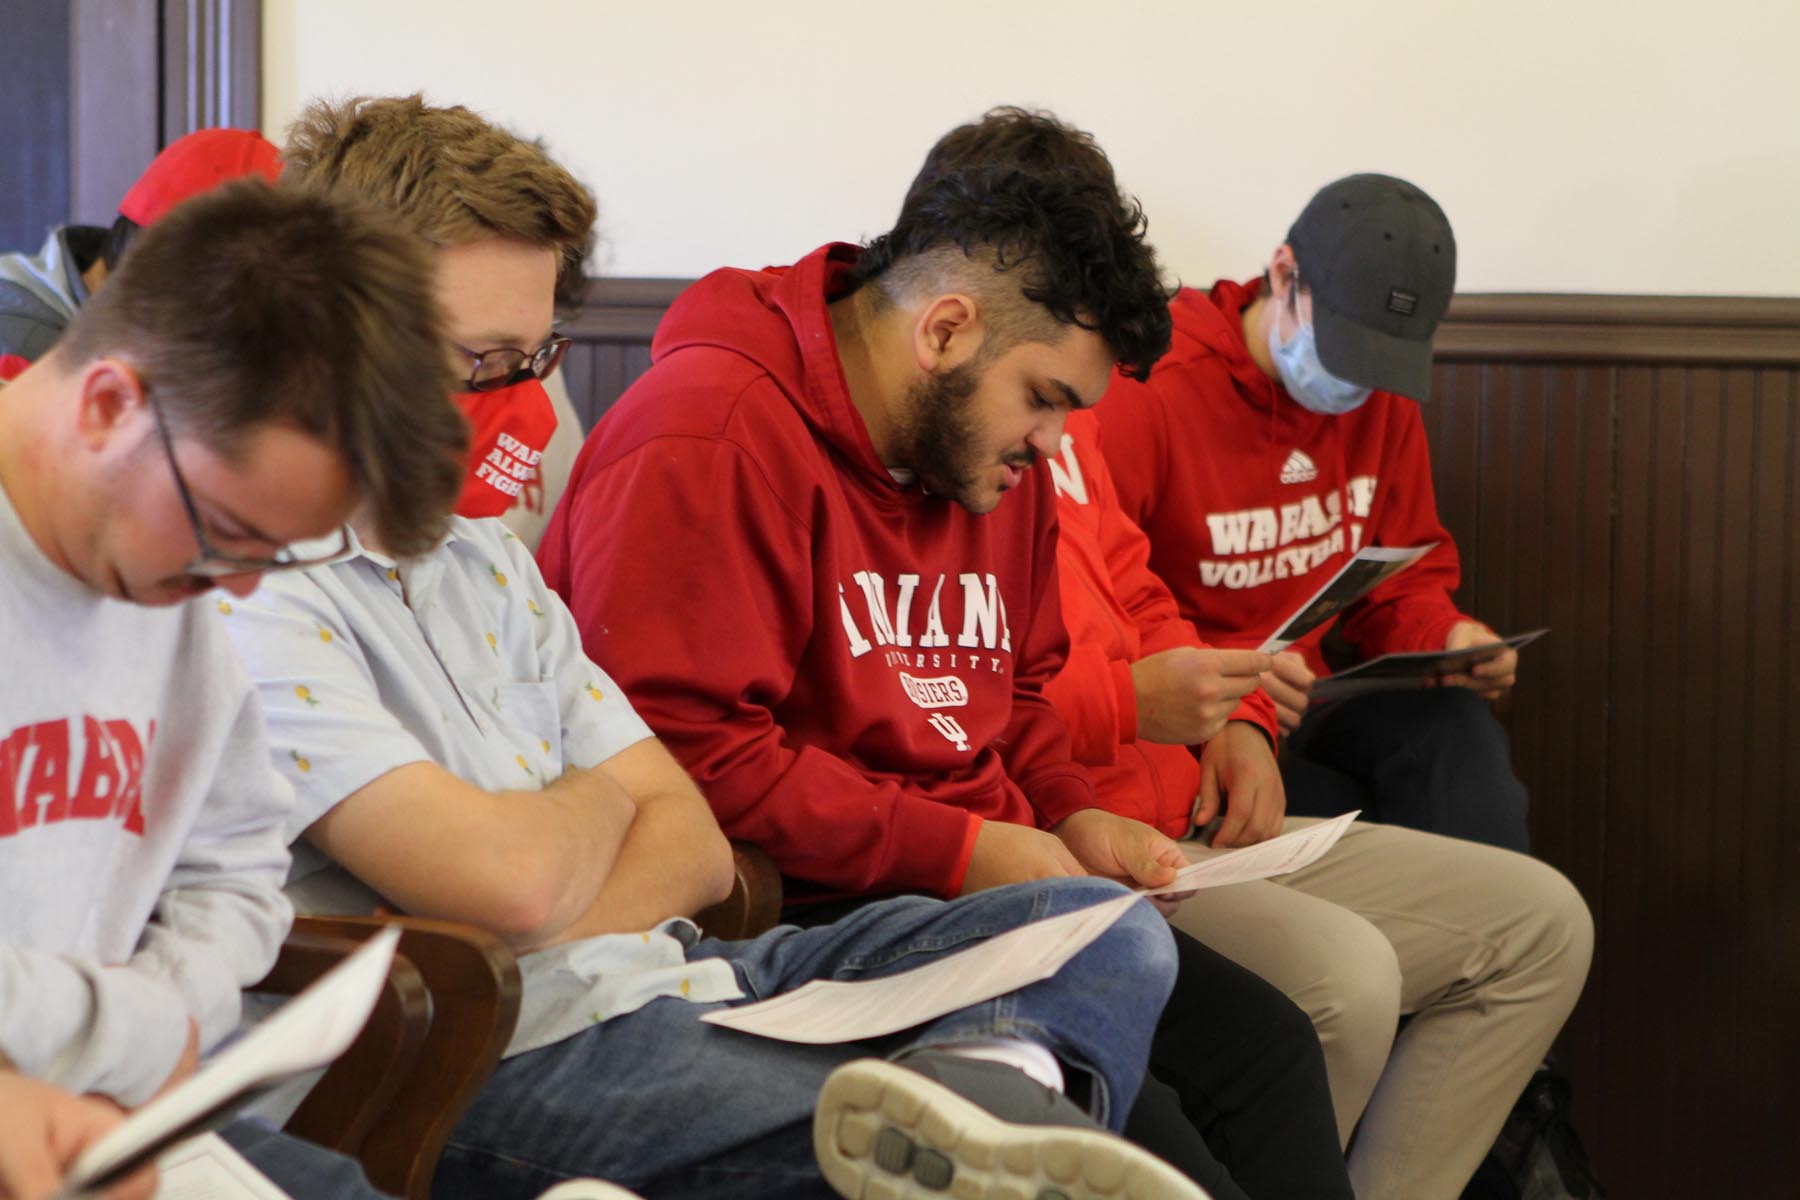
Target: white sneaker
[
  {"x": 588, "y": 1189},
  {"x": 883, "y": 1131}
]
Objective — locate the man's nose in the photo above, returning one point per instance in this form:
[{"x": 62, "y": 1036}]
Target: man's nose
[{"x": 1046, "y": 439}]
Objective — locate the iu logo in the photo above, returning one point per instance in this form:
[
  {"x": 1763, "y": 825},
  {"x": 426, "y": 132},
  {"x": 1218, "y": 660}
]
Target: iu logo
[{"x": 948, "y": 725}]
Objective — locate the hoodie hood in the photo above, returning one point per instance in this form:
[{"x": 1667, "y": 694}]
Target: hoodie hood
[
  {"x": 1210, "y": 324},
  {"x": 1217, "y": 327},
  {"x": 778, "y": 319}
]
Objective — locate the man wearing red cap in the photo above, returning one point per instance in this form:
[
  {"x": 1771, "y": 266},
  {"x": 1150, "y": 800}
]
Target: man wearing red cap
[{"x": 39, "y": 294}]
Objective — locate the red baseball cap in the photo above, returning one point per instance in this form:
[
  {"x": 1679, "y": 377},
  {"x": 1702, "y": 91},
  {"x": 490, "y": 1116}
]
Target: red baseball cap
[{"x": 195, "y": 163}]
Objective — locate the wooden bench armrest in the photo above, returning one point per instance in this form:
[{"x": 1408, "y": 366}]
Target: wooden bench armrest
[
  {"x": 473, "y": 979},
  {"x": 339, "y": 1110},
  {"x": 754, "y": 905}
]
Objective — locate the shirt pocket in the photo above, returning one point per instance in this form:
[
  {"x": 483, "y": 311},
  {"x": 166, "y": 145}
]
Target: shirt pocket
[{"x": 532, "y": 718}]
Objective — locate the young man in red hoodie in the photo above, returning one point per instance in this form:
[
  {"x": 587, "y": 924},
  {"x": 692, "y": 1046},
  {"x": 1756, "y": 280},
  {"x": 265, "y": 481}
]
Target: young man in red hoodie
[
  {"x": 1280, "y": 436},
  {"x": 1385, "y": 923},
  {"x": 808, "y": 545}
]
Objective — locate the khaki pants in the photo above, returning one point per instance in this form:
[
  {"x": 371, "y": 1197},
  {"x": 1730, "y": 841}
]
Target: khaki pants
[{"x": 1486, "y": 949}]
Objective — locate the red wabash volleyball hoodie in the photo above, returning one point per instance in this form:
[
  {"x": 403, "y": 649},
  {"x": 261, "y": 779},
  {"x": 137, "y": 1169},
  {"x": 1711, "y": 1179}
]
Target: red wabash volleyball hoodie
[
  {"x": 1117, "y": 612},
  {"x": 1252, "y": 502},
  {"x": 851, "y": 670}
]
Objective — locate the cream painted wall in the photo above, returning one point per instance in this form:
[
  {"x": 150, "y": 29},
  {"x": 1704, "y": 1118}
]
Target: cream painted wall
[{"x": 1578, "y": 145}]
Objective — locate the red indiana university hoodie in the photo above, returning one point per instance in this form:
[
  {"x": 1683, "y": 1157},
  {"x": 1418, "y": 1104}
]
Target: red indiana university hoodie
[{"x": 851, "y": 670}]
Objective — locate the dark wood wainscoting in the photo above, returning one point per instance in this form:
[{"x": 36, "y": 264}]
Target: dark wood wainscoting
[
  {"x": 612, "y": 332},
  {"x": 1626, "y": 471}
]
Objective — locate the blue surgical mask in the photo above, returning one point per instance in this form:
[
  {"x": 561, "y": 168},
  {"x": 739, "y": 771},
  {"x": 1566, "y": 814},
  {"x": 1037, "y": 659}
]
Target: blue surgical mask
[{"x": 1305, "y": 377}]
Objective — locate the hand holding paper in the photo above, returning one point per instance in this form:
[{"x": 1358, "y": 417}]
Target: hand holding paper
[
  {"x": 1406, "y": 672},
  {"x": 43, "y": 1129},
  {"x": 1289, "y": 683},
  {"x": 1487, "y": 677},
  {"x": 309, "y": 1031},
  {"x": 1186, "y": 694},
  {"x": 1277, "y": 856}
]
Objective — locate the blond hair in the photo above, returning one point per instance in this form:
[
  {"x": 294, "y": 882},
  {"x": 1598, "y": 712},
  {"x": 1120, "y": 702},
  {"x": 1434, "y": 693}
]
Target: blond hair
[{"x": 447, "y": 173}]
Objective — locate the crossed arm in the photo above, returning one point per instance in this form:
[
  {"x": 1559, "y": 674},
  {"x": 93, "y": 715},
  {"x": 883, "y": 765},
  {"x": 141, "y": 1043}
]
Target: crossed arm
[{"x": 614, "y": 847}]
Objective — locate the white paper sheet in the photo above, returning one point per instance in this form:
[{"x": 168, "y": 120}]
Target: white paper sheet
[
  {"x": 1277, "y": 856},
  {"x": 309, "y": 1031},
  {"x": 1367, "y": 567},
  {"x": 206, "y": 1168},
  {"x": 826, "y": 1012}
]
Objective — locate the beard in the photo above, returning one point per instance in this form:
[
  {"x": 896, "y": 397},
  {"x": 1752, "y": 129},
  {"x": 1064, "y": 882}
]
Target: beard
[{"x": 939, "y": 436}]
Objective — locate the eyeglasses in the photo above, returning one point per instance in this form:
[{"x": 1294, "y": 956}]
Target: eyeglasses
[
  {"x": 504, "y": 366},
  {"x": 211, "y": 563}
]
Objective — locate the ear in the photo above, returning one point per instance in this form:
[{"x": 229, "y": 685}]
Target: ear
[
  {"x": 948, "y": 333},
  {"x": 1282, "y": 272},
  {"x": 111, "y": 400}
]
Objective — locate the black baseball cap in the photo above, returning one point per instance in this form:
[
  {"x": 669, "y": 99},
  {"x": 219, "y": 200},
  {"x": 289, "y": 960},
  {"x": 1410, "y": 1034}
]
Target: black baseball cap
[{"x": 1378, "y": 256}]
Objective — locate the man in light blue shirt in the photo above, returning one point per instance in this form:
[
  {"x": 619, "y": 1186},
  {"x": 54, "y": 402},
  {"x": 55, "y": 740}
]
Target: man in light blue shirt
[{"x": 454, "y": 754}]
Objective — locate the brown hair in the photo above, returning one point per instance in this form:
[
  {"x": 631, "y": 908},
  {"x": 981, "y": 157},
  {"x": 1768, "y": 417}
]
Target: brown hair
[
  {"x": 254, "y": 305},
  {"x": 447, "y": 173}
]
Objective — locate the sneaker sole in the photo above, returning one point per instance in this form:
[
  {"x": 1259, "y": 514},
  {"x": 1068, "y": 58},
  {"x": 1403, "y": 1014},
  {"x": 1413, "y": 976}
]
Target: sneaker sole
[{"x": 882, "y": 1132}]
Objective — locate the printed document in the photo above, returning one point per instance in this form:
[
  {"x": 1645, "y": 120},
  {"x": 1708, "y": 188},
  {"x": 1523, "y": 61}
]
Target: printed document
[
  {"x": 1368, "y": 567},
  {"x": 829, "y": 1011},
  {"x": 1405, "y": 672},
  {"x": 206, "y": 1168},
  {"x": 307, "y": 1032},
  {"x": 1277, "y": 856}
]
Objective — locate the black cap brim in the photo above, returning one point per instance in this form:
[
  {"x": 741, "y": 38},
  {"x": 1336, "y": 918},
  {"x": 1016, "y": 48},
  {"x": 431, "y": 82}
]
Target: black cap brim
[{"x": 1371, "y": 358}]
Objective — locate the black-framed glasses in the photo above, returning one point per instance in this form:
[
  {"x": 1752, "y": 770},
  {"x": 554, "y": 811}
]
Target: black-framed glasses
[
  {"x": 504, "y": 366},
  {"x": 212, "y": 563}
]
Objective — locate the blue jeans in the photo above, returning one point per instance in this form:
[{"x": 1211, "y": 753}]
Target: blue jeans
[
  {"x": 670, "y": 1107},
  {"x": 1435, "y": 760},
  {"x": 296, "y": 1167}
]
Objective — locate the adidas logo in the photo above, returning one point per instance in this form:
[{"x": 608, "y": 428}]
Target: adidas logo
[{"x": 1298, "y": 469}]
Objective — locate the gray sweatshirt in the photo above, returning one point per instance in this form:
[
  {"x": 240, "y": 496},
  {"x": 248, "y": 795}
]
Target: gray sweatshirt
[
  {"x": 141, "y": 849},
  {"x": 39, "y": 296}
]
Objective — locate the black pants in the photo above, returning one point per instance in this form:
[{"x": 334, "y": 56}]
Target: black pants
[
  {"x": 1245, "y": 1066},
  {"x": 1434, "y": 760},
  {"x": 1236, "y": 1095}
]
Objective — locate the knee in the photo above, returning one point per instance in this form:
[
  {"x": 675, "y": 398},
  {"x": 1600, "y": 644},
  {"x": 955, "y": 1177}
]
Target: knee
[
  {"x": 1137, "y": 947},
  {"x": 1558, "y": 932},
  {"x": 1144, "y": 937},
  {"x": 1462, "y": 720},
  {"x": 1355, "y": 999}
]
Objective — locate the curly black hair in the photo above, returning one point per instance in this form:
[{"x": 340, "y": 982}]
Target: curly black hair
[{"x": 1022, "y": 191}]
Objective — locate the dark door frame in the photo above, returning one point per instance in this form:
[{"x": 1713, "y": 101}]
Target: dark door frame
[{"x": 145, "y": 72}]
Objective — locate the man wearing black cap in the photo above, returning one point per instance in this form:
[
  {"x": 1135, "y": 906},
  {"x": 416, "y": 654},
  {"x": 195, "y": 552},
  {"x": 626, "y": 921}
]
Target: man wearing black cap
[{"x": 1280, "y": 435}]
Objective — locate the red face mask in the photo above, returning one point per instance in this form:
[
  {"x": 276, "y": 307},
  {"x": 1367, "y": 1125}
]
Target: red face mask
[{"x": 509, "y": 428}]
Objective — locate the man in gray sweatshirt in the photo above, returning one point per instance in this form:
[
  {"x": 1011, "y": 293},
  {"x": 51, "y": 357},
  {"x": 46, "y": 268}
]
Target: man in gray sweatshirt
[{"x": 264, "y": 363}]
